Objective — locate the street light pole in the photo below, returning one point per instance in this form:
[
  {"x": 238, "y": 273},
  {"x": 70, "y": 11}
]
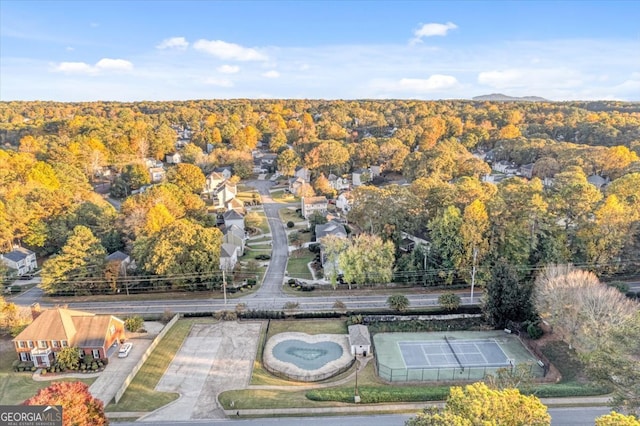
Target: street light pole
[
  {"x": 224, "y": 286},
  {"x": 473, "y": 271}
]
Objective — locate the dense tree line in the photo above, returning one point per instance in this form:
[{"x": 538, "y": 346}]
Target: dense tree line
[{"x": 53, "y": 152}]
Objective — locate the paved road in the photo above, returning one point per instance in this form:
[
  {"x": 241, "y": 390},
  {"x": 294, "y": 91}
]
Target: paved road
[
  {"x": 569, "y": 416},
  {"x": 274, "y": 276}
]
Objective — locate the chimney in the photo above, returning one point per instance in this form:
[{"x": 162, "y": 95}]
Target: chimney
[{"x": 35, "y": 310}]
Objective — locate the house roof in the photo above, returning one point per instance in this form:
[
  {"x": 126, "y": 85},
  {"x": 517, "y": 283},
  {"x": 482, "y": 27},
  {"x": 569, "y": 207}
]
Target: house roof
[
  {"x": 17, "y": 254},
  {"x": 227, "y": 250},
  {"x": 117, "y": 255},
  {"x": 235, "y": 203},
  {"x": 330, "y": 228},
  {"x": 232, "y": 215},
  {"x": 234, "y": 230},
  {"x": 215, "y": 176},
  {"x": 359, "y": 335},
  {"x": 81, "y": 329},
  {"x": 596, "y": 180},
  {"x": 315, "y": 200}
]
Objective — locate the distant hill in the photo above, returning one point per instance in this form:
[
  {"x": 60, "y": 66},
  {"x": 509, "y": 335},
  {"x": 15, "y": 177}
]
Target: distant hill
[{"x": 505, "y": 98}]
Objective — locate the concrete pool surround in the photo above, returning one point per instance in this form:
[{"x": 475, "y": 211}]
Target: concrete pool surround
[{"x": 307, "y": 358}]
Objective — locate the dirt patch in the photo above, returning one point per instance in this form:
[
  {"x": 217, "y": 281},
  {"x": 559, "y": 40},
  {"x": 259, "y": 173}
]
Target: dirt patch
[{"x": 212, "y": 359}]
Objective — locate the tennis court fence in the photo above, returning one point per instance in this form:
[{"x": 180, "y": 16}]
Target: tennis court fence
[{"x": 438, "y": 374}]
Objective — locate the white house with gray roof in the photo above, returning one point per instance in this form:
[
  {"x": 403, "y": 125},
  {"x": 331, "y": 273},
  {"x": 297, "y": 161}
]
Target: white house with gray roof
[
  {"x": 20, "y": 259},
  {"x": 359, "y": 340}
]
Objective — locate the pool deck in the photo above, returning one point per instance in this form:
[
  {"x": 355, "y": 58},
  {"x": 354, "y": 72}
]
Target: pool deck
[{"x": 292, "y": 371}]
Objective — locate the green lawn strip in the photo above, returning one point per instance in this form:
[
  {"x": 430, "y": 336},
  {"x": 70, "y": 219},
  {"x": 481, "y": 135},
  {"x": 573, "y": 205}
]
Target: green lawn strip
[
  {"x": 140, "y": 395},
  {"x": 17, "y": 387},
  {"x": 264, "y": 225},
  {"x": 384, "y": 393},
  {"x": 297, "y": 265},
  {"x": 289, "y": 215}
]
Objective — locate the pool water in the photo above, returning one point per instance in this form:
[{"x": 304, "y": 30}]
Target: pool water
[{"x": 307, "y": 356}]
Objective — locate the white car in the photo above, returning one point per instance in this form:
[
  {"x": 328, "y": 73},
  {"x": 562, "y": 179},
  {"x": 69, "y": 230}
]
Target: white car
[{"x": 124, "y": 350}]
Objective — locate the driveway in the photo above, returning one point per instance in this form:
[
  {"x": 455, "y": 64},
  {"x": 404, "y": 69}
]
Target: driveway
[
  {"x": 213, "y": 358},
  {"x": 116, "y": 371}
]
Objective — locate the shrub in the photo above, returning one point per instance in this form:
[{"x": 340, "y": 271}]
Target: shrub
[
  {"x": 290, "y": 306},
  {"x": 534, "y": 331},
  {"x": 166, "y": 316},
  {"x": 450, "y": 301},
  {"x": 620, "y": 285},
  {"x": 134, "y": 324},
  {"x": 398, "y": 302}
]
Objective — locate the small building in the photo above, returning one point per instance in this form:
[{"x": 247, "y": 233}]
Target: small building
[
  {"x": 232, "y": 217},
  {"x": 54, "y": 329},
  {"x": 156, "y": 174},
  {"x": 235, "y": 236},
  {"x": 20, "y": 259},
  {"x": 228, "y": 256},
  {"x": 359, "y": 340},
  {"x": 173, "y": 158},
  {"x": 121, "y": 259},
  {"x": 314, "y": 204}
]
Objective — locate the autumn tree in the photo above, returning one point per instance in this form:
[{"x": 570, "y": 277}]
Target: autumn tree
[
  {"x": 332, "y": 247},
  {"x": 367, "y": 260},
  {"x": 187, "y": 177},
  {"x": 77, "y": 267},
  {"x": 188, "y": 252},
  {"x": 287, "y": 162},
  {"x": 79, "y": 407},
  {"x": 617, "y": 419},
  {"x": 477, "y": 405}
]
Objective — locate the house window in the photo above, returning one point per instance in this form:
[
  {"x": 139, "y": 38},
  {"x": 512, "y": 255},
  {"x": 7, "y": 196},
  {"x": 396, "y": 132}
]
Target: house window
[
  {"x": 42, "y": 344},
  {"x": 63, "y": 343},
  {"x": 95, "y": 353},
  {"x": 25, "y": 356},
  {"x": 31, "y": 344},
  {"x": 22, "y": 344},
  {"x": 55, "y": 344},
  {"x": 80, "y": 353}
]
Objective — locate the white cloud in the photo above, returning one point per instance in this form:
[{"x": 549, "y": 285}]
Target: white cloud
[
  {"x": 220, "y": 82},
  {"x": 432, "y": 29},
  {"x": 229, "y": 51},
  {"x": 173, "y": 43},
  {"x": 69, "y": 49},
  {"x": 114, "y": 65},
  {"x": 228, "y": 69},
  {"x": 433, "y": 83},
  {"x": 74, "y": 68},
  {"x": 271, "y": 74},
  {"x": 104, "y": 64}
]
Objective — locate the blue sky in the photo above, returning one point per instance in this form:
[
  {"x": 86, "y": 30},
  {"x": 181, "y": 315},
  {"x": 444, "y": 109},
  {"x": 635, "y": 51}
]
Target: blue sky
[{"x": 173, "y": 50}]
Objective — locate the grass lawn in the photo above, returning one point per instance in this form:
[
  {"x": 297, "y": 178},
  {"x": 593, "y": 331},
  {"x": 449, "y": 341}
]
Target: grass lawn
[
  {"x": 297, "y": 265},
  {"x": 264, "y": 225},
  {"x": 140, "y": 395},
  {"x": 260, "y": 376},
  {"x": 289, "y": 214},
  {"x": 281, "y": 196}
]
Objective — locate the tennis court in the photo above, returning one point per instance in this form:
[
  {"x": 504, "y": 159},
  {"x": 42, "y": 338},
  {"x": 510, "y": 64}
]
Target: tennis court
[{"x": 455, "y": 355}]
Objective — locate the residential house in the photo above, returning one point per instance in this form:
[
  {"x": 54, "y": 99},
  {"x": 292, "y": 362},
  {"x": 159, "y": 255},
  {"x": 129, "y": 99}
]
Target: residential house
[
  {"x": 359, "y": 339},
  {"x": 505, "y": 167},
  {"x": 219, "y": 190},
  {"x": 597, "y": 181},
  {"x": 152, "y": 163},
  {"x": 303, "y": 173},
  {"x": 360, "y": 177},
  {"x": 330, "y": 228},
  {"x": 338, "y": 183},
  {"x": 313, "y": 204},
  {"x": 410, "y": 241},
  {"x": 54, "y": 329},
  {"x": 225, "y": 171},
  {"x": 344, "y": 200},
  {"x": 173, "y": 158},
  {"x": 122, "y": 260},
  {"x": 157, "y": 174},
  {"x": 235, "y": 236},
  {"x": 228, "y": 256},
  {"x": 21, "y": 259},
  {"x": 232, "y": 217},
  {"x": 295, "y": 184},
  {"x": 235, "y": 204},
  {"x": 526, "y": 170},
  {"x": 375, "y": 171}
]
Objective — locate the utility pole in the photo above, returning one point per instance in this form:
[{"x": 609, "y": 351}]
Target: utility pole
[
  {"x": 224, "y": 286},
  {"x": 473, "y": 271}
]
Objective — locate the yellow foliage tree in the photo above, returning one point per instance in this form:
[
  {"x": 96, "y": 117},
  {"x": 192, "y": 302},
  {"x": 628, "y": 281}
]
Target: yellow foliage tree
[
  {"x": 616, "y": 419},
  {"x": 479, "y": 405}
]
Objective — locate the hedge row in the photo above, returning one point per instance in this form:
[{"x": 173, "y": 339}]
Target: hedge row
[{"x": 378, "y": 394}]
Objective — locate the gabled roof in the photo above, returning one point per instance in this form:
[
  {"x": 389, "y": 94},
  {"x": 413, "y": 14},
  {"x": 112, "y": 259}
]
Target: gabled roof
[
  {"x": 330, "y": 228},
  {"x": 81, "y": 329},
  {"x": 17, "y": 254},
  {"x": 232, "y": 215},
  {"x": 234, "y": 230},
  {"x": 215, "y": 176},
  {"x": 315, "y": 200},
  {"x": 359, "y": 335},
  {"x": 227, "y": 250},
  {"x": 117, "y": 255}
]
